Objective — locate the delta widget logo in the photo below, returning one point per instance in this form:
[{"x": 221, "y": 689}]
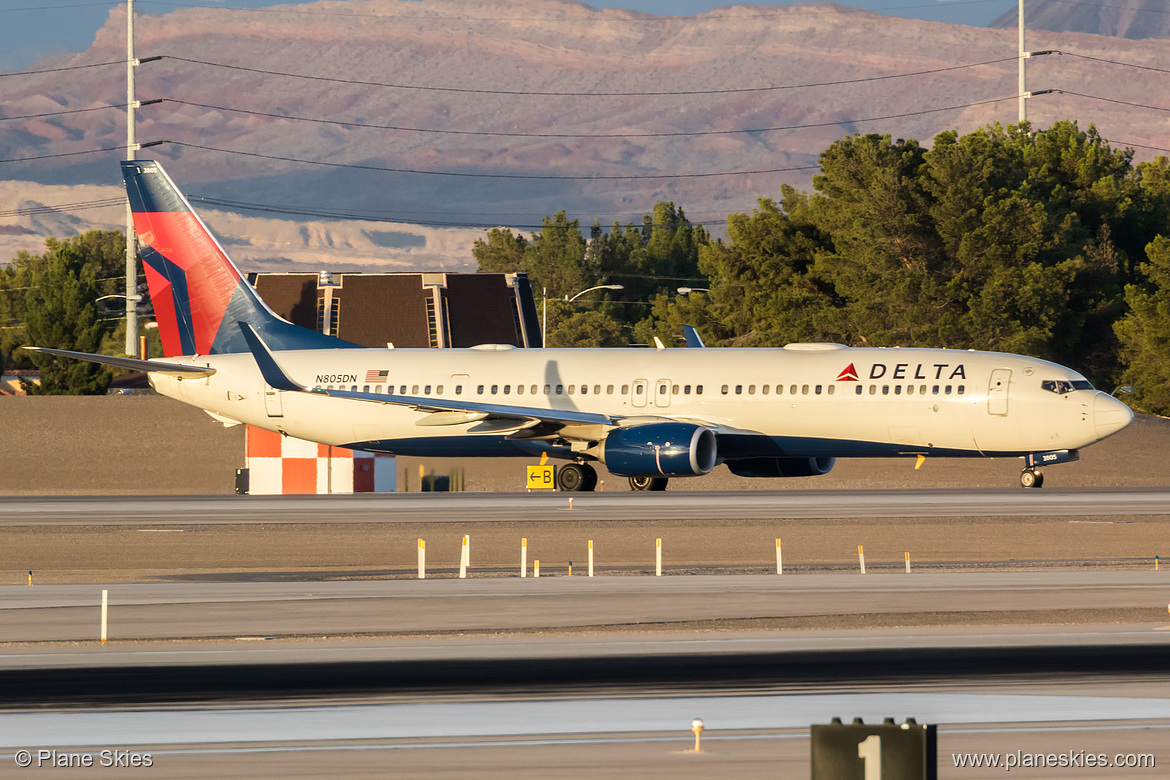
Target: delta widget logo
[{"x": 848, "y": 375}]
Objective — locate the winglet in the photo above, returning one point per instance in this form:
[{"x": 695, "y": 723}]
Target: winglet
[
  {"x": 694, "y": 341},
  {"x": 271, "y": 371}
]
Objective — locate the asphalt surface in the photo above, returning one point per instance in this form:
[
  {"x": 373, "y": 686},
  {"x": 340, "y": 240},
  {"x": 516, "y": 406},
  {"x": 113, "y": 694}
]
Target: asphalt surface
[{"x": 547, "y": 508}]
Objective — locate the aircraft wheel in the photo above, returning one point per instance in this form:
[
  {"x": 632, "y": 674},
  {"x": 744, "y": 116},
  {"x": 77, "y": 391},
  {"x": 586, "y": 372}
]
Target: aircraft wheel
[
  {"x": 1031, "y": 478},
  {"x": 575, "y": 477},
  {"x": 648, "y": 483}
]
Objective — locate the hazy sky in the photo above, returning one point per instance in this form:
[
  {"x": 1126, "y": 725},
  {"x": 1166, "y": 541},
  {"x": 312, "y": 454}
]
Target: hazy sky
[{"x": 31, "y": 29}]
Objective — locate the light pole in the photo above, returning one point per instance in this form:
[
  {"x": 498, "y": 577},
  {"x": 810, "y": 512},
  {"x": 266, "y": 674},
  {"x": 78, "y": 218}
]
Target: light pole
[
  {"x": 689, "y": 290},
  {"x": 591, "y": 289}
]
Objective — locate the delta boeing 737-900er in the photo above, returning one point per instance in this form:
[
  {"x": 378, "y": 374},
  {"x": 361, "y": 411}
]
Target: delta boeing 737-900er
[{"x": 647, "y": 414}]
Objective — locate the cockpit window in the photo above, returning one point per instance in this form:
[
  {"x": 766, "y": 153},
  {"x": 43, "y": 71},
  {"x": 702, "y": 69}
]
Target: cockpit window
[{"x": 1063, "y": 386}]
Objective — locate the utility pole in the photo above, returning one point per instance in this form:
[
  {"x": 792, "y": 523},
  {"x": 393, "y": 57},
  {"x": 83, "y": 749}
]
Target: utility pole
[
  {"x": 1023, "y": 84},
  {"x": 131, "y": 239}
]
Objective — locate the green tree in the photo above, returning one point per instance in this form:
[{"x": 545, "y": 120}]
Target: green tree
[
  {"x": 501, "y": 253},
  {"x": 62, "y": 312},
  {"x": 1144, "y": 332}
]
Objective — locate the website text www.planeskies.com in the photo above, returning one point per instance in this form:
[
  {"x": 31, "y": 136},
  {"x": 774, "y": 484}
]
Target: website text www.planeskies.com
[{"x": 1069, "y": 759}]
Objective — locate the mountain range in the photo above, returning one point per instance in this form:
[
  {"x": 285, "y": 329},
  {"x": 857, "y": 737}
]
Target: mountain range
[{"x": 498, "y": 114}]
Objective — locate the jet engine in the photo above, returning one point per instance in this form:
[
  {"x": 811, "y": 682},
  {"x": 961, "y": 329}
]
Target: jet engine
[
  {"x": 660, "y": 450},
  {"x": 781, "y": 467}
]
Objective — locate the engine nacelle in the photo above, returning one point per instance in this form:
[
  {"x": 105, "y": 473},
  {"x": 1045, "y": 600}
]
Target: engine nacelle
[
  {"x": 781, "y": 467},
  {"x": 660, "y": 450}
]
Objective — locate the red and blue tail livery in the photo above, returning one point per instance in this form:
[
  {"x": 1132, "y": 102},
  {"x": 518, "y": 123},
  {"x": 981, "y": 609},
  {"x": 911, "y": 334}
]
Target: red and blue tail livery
[{"x": 199, "y": 295}]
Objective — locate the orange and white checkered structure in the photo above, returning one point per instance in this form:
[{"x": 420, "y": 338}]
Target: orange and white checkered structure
[{"x": 284, "y": 465}]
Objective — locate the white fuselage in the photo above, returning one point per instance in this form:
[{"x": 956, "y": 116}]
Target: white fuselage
[{"x": 801, "y": 400}]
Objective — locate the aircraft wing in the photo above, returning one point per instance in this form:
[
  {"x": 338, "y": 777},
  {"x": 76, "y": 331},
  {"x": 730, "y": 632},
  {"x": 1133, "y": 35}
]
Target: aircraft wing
[
  {"x": 149, "y": 366},
  {"x": 464, "y": 411}
]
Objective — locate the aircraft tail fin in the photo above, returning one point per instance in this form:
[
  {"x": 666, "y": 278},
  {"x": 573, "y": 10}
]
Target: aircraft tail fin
[{"x": 199, "y": 294}]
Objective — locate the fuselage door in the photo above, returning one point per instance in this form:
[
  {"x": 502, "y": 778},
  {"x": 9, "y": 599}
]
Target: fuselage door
[
  {"x": 272, "y": 402},
  {"x": 638, "y": 392},
  {"x": 997, "y": 392},
  {"x": 460, "y": 386},
  {"x": 662, "y": 393}
]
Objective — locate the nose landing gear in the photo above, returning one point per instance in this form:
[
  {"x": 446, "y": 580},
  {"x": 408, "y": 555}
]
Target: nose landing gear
[{"x": 1031, "y": 478}]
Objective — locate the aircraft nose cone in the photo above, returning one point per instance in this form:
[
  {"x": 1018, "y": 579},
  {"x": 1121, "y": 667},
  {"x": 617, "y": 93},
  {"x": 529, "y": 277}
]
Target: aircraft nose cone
[{"x": 1110, "y": 415}]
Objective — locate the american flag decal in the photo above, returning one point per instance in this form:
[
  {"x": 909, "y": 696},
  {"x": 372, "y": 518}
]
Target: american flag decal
[{"x": 375, "y": 376}]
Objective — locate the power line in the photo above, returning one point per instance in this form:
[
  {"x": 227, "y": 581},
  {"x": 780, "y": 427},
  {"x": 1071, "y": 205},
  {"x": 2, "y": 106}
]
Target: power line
[
  {"x": 671, "y": 134},
  {"x": 79, "y": 206},
  {"x": 63, "y": 68},
  {"x": 64, "y": 154},
  {"x": 663, "y": 93},
  {"x": 1111, "y": 62},
  {"x": 465, "y": 174},
  {"x": 1111, "y": 100},
  {"x": 63, "y": 112}
]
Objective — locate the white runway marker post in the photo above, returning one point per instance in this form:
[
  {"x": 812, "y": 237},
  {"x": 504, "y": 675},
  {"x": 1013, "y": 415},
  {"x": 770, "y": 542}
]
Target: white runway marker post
[
  {"x": 861, "y": 558},
  {"x": 907, "y": 563},
  {"x": 105, "y": 609},
  {"x": 422, "y": 559},
  {"x": 536, "y": 568},
  {"x": 464, "y": 557},
  {"x": 524, "y": 557},
  {"x": 779, "y": 559},
  {"x": 658, "y": 558},
  {"x": 590, "y": 557}
]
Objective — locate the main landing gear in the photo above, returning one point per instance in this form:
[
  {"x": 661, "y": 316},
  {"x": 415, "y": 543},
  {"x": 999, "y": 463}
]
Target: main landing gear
[
  {"x": 576, "y": 478},
  {"x": 1031, "y": 478},
  {"x": 648, "y": 483}
]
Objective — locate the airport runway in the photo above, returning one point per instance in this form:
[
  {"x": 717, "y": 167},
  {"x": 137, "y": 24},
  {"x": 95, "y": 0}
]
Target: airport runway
[
  {"x": 219, "y": 610},
  {"x": 613, "y": 506}
]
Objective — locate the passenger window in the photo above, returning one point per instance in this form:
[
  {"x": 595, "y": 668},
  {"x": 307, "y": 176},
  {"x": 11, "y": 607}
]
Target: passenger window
[
  {"x": 584, "y": 389},
  {"x": 885, "y": 389},
  {"x": 480, "y": 390},
  {"x": 365, "y": 388},
  {"x": 533, "y": 388},
  {"x": 495, "y": 389},
  {"x": 873, "y": 389},
  {"x": 765, "y": 388},
  {"x": 674, "y": 390},
  {"x": 625, "y": 389},
  {"x": 698, "y": 389},
  {"x": 739, "y": 389},
  {"x": 726, "y": 389},
  {"x": 609, "y": 389},
  {"x": 402, "y": 390},
  {"x": 832, "y": 389},
  {"x": 597, "y": 389},
  {"x": 947, "y": 391},
  {"x": 377, "y": 388},
  {"x": 354, "y": 388},
  {"x": 560, "y": 389},
  {"x": 458, "y": 389},
  {"x": 572, "y": 388},
  {"x": 329, "y": 387},
  {"x": 792, "y": 390},
  {"x": 519, "y": 389},
  {"x": 686, "y": 389},
  {"x": 897, "y": 389},
  {"x": 414, "y": 390},
  {"x": 909, "y": 389},
  {"x": 751, "y": 389},
  {"x": 507, "y": 389},
  {"x": 859, "y": 390},
  {"x": 922, "y": 389},
  {"x": 779, "y": 389},
  {"x": 962, "y": 389},
  {"x": 804, "y": 389},
  {"x": 427, "y": 390},
  {"x": 638, "y": 389},
  {"x": 817, "y": 389},
  {"x": 547, "y": 389},
  {"x": 935, "y": 390}
]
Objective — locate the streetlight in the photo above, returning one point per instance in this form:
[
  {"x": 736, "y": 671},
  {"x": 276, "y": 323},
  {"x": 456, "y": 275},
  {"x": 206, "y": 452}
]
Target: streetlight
[
  {"x": 1123, "y": 389},
  {"x": 688, "y": 290},
  {"x": 135, "y": 298},
  {"x": 544, "y": 304},
  {"x": 591, "y": 289}
]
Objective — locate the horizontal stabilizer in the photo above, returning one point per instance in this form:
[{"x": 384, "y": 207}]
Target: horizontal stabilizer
[{"x": 149, "y": 366}]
